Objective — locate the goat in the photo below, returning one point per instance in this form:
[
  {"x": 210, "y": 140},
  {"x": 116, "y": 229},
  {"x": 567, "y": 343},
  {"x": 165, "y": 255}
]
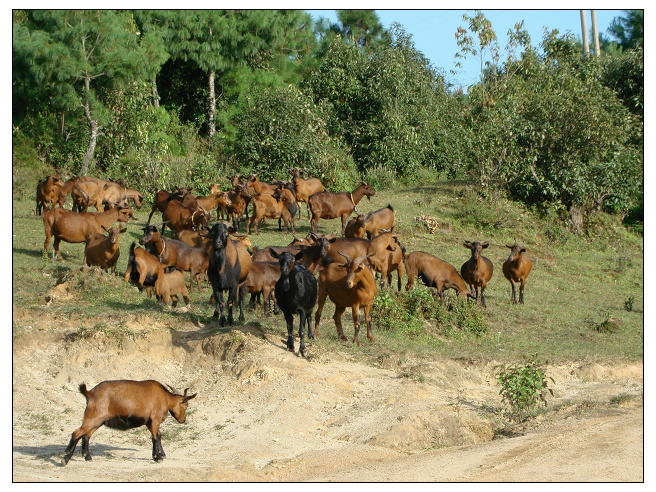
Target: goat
[
  {"x": 257, "y": 186},
  {"x": 382, "y": 219},
  {"x": 312, "y": 254},
  {"x": 163, "y": 197},
  {"x": 114, "y": 192},
  {"x": 65, "y": 190},
  {"x": 178, "y": 217},
  {"x": 281, "y": 205},
  {"x": 142, "y": 269},
  {"x": 102, "y": 250},
  {"x": 47, "y": 193},
  {"x": 85, "y": 194},
  {"x": 262, "y": 279},
  {"x": 348, "y": 285},
  {"x": 333, "y": 248},
  {"x": 176, "y": 253},
  {"x": 434, "y": 273},
  {"x": 74, "y": 227},
  {"x": 225, "y": 272},
  {"x": 239, "y": 198},
  {"x": 304, "y": 189},
  {"x": 477, "y": 271},
  {"x": 355, "y": 227},
  {"x": 169, "y": 284},
  {"x": 326, "y": 205},
  {"x": 386, "y": 256},
  {"x": 125, "y": 405},
  {"x": 516, "y": 269},
  {"x": 216, "y": 199},
  {"x": 296, "y": 292}
]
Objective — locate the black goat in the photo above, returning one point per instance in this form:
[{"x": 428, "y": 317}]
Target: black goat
[
  {"x": 225, "y": 272},
  {"x": 296, "y": 292}
]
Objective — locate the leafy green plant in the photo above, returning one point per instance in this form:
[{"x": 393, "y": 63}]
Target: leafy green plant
[{"x": 523, "y": 388}]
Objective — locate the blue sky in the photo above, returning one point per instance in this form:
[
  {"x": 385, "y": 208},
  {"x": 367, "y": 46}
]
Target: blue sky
[{"x": 433, "y": 31}]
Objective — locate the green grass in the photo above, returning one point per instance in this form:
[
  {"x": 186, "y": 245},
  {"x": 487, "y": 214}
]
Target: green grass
[{"x": 576, "y": 283}]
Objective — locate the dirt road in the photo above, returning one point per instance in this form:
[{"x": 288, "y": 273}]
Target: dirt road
[{"x": 264, "y": 414}]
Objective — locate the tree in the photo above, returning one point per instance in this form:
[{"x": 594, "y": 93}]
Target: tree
[
  {"x": 361, "y": 27},
  {"x": 629, "y": 31},
  {"x": 80, "y": 55}
]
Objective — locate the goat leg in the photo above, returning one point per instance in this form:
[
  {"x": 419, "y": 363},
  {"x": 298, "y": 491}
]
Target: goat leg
[
  {"x": 70, "y": 449},
  {"x": 337, "y": 317},
  {"x": 301, "y": 334},
  {"x": 85, "y": 448},
  {"x": 289, "y": 318}
]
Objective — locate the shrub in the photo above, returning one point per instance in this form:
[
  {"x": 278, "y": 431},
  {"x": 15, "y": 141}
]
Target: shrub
[{"x": 523, "y": 388}]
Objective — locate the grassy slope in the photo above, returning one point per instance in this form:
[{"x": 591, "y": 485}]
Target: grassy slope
[{"x": 575, "y": 283}]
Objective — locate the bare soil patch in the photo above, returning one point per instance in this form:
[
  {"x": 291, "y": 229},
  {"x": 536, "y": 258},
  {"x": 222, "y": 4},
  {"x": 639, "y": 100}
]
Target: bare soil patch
[{"x": 265, "y": 414}]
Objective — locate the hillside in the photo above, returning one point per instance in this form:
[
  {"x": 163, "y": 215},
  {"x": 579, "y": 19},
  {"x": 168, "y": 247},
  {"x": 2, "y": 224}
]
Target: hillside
[{"x": 420, "y": 404}]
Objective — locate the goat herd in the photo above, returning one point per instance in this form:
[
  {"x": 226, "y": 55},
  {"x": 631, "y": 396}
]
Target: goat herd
[{"x": 286, "y": 275}]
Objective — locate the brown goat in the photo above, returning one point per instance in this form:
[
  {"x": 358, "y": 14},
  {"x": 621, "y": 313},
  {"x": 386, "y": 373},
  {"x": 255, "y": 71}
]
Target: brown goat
[
  {"x": 434, "y": 273},
  {"x": 239, "y": 198},
  {"x": 47, "y": 193},
  {"x": 516, "y": 269},
  {"x": 386, "y": 257},
  {"x": 125, "y": 405},
  {"x": 74, "y": 227},
  {"x": 304, "y": 189},
  {"x": 103, "y": 251},
  {"x": 477, "y": 271},
  {"x": 333, "y": 248},
  {"x": 326, "y": 205},
  {"x": 178, "y": 217},
  {"x": 163, "y": 197},
  {"x": 85, "y": 194},
  {"x": 114, "y": 193},
  {"x": 256, "y": 186},
  {"x": 262, "y": 279},
  {"x": 176, "y": 253},
  {"x": 65, "y": 190},
  {"x": 280, "y": 205},
  {"x": 142, "y": 269},
  {"x": 348, "y": 285},
  {"x": 169, "y": 284},
  {"x": 378, "y": 220},
  {"x": 355, "y": 227}
]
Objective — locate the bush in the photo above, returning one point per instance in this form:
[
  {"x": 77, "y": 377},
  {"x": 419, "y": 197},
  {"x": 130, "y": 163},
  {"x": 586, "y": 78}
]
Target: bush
[
  {"x": 523, "y": 388},
  {"x": 418, "y": 310}
]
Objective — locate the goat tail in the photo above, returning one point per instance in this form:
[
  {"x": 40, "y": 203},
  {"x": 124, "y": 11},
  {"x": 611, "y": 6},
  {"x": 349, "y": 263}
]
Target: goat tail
[{"x": 83, "y": 390}]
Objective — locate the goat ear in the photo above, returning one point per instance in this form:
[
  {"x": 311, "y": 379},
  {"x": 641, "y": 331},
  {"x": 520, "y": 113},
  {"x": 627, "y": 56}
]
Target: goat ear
[
  {"x": 125, "y": 229},
  {"x": 104, "y": 228},
  {"x": 273, "y": 253},
  {"x": 467, "y": 244},
  {"x": 299, "y": 255},
  {"x": 485, "y": 244}
]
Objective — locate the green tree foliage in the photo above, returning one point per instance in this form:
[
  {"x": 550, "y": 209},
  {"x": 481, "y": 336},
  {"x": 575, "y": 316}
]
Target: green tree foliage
[
  {"x": 391, "y": 107},
  {"x": 545, "y": 129},
  {"x": 282, "y": 128},
  {"x": 79, "y": 57},
  {"x": 628, "y": 30}
]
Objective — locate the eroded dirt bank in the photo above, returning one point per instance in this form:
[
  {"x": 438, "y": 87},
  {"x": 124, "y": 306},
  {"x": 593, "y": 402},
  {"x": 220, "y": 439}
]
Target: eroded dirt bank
[{"x": 264, "y": 414}]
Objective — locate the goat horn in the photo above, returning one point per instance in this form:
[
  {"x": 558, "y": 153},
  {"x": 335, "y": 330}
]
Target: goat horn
[{"x": 348, "y": 258}]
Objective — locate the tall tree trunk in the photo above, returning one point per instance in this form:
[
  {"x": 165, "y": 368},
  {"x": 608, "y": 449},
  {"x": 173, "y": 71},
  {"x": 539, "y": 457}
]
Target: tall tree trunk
[
  {"x": 155, "y": 93},
  {"x": 93, "y": 124},
  {"x": 212, "y": 104}
]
